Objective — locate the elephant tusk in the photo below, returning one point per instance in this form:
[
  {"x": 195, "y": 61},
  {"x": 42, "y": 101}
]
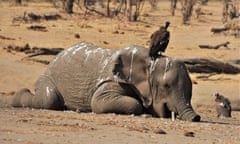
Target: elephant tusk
[{"x": 173, "y": 116}]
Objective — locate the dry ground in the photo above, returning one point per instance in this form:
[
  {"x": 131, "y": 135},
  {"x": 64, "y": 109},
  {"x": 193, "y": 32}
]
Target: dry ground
[{"x": 42, "y": 126}]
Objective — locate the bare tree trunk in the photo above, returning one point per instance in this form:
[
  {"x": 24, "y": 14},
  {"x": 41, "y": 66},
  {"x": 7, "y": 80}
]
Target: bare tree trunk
[
  {"x": 122, "y": 5},
  {"x": 68, "y": 6},
  {"x": 108, "y": 8},
  {"x": 153, "y": 3},
  {"x": 225, "y": 11},
  {"x": 18, "y": 1},
  {"x": 187, "y": 7},
  {"x": 173, "y": 6},
  {"x": 133, "y": 4},
  {"x": 230, "y": 10}
]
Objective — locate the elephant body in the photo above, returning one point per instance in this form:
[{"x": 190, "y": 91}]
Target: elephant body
[
  {"x": 76, "y": 75},
  {"x": 87, "y": 78}
]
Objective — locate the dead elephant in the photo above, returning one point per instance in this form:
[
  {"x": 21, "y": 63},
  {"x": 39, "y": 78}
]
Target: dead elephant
[{"x": 88, "y": 78}]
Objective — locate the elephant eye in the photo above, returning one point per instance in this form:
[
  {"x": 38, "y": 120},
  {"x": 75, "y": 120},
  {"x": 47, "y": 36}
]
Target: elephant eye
[{"x": 167, "y": 86}]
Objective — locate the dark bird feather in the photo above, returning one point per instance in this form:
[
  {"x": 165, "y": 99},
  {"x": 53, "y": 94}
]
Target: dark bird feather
[{"x": 159, "y": 41}]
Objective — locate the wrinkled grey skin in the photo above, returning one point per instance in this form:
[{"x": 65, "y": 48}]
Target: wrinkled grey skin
[{"x": 88, "y": 78}]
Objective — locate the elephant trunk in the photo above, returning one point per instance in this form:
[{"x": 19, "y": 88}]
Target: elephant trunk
[{"x": 188, "y": 114}]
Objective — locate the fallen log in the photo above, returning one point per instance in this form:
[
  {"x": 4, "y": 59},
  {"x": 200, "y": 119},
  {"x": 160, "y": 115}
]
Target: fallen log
[
  {"x": 219, "y": 29},
  {"x": 11, "y": 48},
  {"x": 51, "y": 17},
  {"x": 203, "y": 65},
  {"x": 225, "y": 27},
  {"x": 34, "y": 17},
  {"x": 6, "y": 38},
  {"x": 38, "y": 28},
  {"x": 45, "y": 51},
  {"x": 216, "y": 46},
  {"x": 46, "y": 62},
  {"x": 34, "y": 51},
  {"x": 94, "y": 10},
  {"x": 230, "y": 25},
  {"x": 205, "y": 76}
]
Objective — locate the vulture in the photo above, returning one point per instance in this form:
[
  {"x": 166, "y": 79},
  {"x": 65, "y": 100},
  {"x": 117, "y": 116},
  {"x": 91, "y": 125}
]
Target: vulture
[{"x": 159, "y": 41}]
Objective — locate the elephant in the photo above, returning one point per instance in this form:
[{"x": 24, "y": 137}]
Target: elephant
[{"x": 87, "y": 78}]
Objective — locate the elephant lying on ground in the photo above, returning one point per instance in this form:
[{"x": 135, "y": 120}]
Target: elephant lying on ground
[{"x": 87, "y": 78}]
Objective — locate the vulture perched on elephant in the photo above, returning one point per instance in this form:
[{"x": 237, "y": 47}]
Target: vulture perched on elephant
[{"x": 159, "y": 41}]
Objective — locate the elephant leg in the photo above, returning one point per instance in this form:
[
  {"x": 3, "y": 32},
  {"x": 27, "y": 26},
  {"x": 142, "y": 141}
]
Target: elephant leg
[
  {"x": 112, "y": 98},
  {"x": 46, "y": 96}
]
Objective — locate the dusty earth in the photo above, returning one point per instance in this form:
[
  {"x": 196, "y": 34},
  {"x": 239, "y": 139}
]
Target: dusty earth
[{"x": 43, "y": 126}]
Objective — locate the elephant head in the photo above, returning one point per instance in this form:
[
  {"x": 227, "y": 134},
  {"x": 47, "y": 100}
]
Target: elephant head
[{"x": 164, "y": 85}]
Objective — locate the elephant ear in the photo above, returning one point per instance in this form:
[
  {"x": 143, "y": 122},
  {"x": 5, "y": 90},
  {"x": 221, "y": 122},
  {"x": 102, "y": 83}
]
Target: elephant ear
[
  {"x": 117, "y": 71},
  {"x": 131, "y": 65}
]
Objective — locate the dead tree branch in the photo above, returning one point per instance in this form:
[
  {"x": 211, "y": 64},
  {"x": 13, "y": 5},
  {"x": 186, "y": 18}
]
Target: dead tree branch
[
  {"x": 45, "y": 51},
  {"x": 94, "y": 10},
  {"x": 34, "y": 51},
  {"x": 203, "y": 65},
  {"x": 225, "y": 44},
  {"x": 6, "y": 38},
  {"x": 38, "y": 28}
]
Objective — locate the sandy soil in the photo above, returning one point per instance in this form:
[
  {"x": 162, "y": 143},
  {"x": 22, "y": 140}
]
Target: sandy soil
[{"x": 41, "y": 126}]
